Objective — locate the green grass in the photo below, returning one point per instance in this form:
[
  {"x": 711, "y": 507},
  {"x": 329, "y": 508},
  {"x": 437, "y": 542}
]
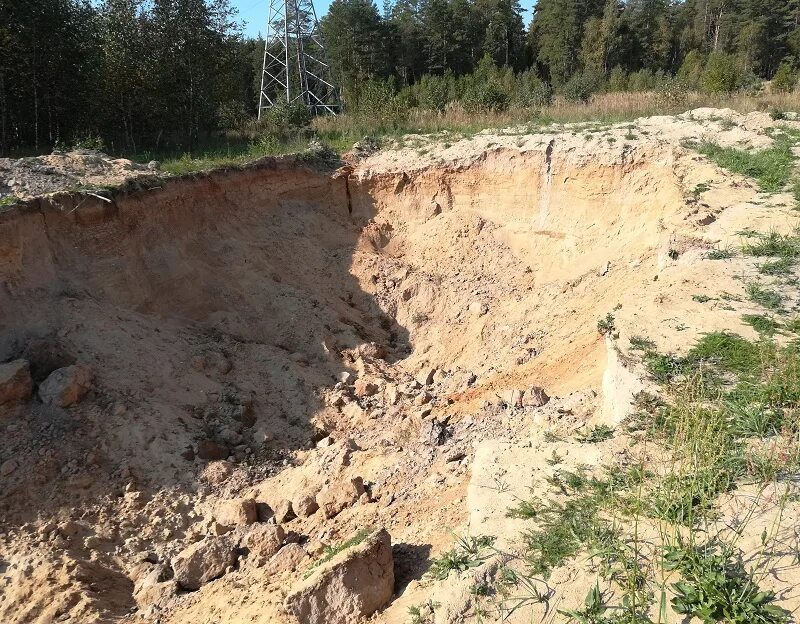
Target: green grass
[
  {"x": 331, "y": 551},
  {"x": 721, "y": 254},
  {"x": 640, "y": 343},
  {"x": 773, "y": 245},
  {"x": 469, "y": 552},
  {"x": 706, "y": 433},
  {"x": 781, "y": 266},
  {"x": 606, "y": 325},
  {"x": 762, "y": 324},
  {"x": 771, "y": 167},
  {"x": 765, "y": 297},
  {"x": 598, "y": 433}
]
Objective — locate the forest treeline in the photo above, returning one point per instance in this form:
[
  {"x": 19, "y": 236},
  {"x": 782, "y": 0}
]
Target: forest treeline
[{"x": 152, "y": 74}]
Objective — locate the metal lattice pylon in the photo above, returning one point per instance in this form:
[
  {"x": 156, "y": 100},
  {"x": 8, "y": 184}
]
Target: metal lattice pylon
[{"x": 294, "y": 66}]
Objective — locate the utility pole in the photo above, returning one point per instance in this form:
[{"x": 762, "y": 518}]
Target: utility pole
[{"x": 294, "y": 68}]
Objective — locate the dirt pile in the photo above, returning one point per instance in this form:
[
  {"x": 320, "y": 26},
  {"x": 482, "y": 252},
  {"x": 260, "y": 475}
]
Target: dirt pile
[
  {"x": 24, "y": 178},
  {"x": 261, "y": 363}
]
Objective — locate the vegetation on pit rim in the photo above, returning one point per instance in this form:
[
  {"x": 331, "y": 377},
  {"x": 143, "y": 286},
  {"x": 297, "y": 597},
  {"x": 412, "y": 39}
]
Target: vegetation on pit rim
[
  {"x": 726, "y": 393},
  {"x": 771, "y": 167}
]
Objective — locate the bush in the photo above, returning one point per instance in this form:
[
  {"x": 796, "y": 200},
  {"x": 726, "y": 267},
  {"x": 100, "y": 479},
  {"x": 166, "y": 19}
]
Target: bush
[
  {"x": 691, "y": 71},
  {"x": 284, "y": 118},
  {"x": 531, "y": 92},
  {"x": 434, "y": 92},
  {"x": 581, "y": 86},
  {"x": 485, "y": 97},
  {"x": 377, "y": 101},
  {"x": 617, "y": 80},
  {"x": 642, "y": 80},
  {"x": 785, "y": 79},
  {"x": 721, "y": 74}
]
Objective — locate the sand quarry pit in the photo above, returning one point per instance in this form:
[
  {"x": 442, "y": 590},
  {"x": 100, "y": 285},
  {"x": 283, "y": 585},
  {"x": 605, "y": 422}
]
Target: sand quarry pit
[{"x": 255, "y": 364}]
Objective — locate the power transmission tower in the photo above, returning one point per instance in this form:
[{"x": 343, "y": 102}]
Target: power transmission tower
[{"x": 294, "y": 66}]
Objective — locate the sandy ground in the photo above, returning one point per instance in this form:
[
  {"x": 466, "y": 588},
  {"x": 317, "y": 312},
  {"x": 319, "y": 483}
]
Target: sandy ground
[{"x": 238, "y": 308}]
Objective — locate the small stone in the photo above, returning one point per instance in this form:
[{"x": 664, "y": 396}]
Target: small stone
[
  {"x": 284, "y": 512},
  {"x": 236, "y": 512},
  {"x": 8, "y": 467},
  {"x": 513, "y": 398},
  {"x": 349, "y": 587},
  {"x": 478, "y": 308},
  {"x": 426, "y": 375},
  {"x": 325, "y": 442},
  {"x": 333, "y": 499},
  {"x": 188, "y": 453},
  {"x": 423, "y": 398},
  {"x": 365, "y": 388},
  {"x": 212, "y": 450},
  {"x": 217, "y": 472},
  {"x": 66, "y": 386},
  {"x": 535, "y": 397},
  {"x": 287, "y": 559},
  {"x": 432, "y": 432},
  {"x": 15, "y": 381},
  {"x": 263, "y": 541}
]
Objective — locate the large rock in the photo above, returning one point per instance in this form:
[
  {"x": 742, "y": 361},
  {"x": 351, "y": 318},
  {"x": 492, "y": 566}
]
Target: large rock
[
  {"x": 236, "y": 512},
  {"x": 203, "y": 561},
  {"x": 351, "y": 586},
  {"x": 66, "y": 386},
  {"x": 535, "y": 397},
  {"x": 154, "y": 589},
  {"x": 305, "y": 505},
  {"x": 334, "y": 498},
  {"x": 287, "y": 559},
  {"x": 15, "y": 381},
  {"x": 263, "y": 541}
]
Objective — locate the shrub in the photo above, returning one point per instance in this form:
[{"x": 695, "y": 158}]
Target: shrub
[
  {"x": 785, "y": 79},
  {"x": 642, "y": 80},
  {"x": 531, "y": 92},
  {"x": 434, "y": 92},
  {"x": 691, "y": 71},
  {"x": 617, "y": 80},
  {"x": 581, "y": 86},
  {"x": 721, "y": 74},
  {"x": 282, "y": 122},
  {"x": 485, "y": 97}
]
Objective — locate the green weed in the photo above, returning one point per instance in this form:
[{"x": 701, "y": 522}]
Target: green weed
[
  {"x": 762, "y": 324},
  {"x": 765, "y": 297},
  {"x": 469, "y": 552},
  {"x": 716, "y": 587},
  {"x": 606, "y": 325},
  {"x": 771, "y": 167}
]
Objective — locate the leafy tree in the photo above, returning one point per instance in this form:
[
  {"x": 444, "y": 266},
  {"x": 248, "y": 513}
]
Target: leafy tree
[{"x": 785, "y": 79}]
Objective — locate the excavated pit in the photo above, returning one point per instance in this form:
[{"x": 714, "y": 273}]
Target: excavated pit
[
  {"x": 219, "y": 313},
  {"x": 279, "y": 270}
]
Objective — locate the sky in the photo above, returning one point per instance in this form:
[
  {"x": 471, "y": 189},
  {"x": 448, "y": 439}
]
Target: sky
[{"x": 254, "y": 13}]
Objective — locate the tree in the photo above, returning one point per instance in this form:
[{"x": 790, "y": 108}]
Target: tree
[
  {"x": 353, "y": 32},
  {"x": 505, "y": 34}
]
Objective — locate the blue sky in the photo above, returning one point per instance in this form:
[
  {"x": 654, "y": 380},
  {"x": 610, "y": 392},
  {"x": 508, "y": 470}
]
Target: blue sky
[{"x": 254, "y": 12}]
